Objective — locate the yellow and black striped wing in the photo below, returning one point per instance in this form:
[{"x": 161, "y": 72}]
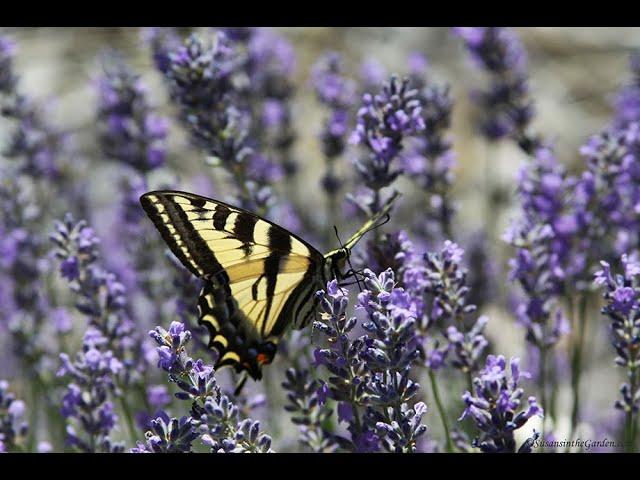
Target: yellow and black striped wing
[{"x": 258, "y": 277}]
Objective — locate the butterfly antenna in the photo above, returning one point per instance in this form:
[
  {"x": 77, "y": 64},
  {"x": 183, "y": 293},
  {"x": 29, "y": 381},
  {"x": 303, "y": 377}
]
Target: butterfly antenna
[
  {"x": 241, "y": 382},
  {"x": 387, "y": 217},
  {"x": 348, "y": 258},
  {"x": 384, "y": 221}
]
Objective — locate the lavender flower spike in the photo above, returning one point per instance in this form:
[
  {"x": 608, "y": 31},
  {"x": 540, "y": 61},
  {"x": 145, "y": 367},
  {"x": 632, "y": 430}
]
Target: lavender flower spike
[
  {"x": 13, "y": 427},
  {"x": 507, "y": 107},
  {"x": 101, "y": 297},
  {"x": 494, "y": 407},
  {"x": 431, "y": 159},
  {"x": 308, "y": 403},
  {"x": 384, "y": 121},
  {"x": 337, "y": 93},
  {"x": 129, "y": 129},
  {"x": 85, "y": 404},
  {"x": 215, "y": 417},
  {"x": 622, "y": 297},
  {"x": 201, "y": 82},
  {"x": 370, "y": 375},
  {"x": 168, "y": 435}
]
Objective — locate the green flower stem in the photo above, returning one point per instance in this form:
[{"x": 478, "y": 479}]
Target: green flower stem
[
  {"x": 580, "y": 327},
  {"x": 35, "y": 394},
  {"x": 542, "y": 385},
  {"x": 133, "y": 437},
  {"x": 631, "y": 423},
  {"x": 441, "y": 411}
]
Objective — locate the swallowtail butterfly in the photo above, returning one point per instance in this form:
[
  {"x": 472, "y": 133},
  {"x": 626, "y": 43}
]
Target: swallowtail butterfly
[{"x": 258, "y": 278}]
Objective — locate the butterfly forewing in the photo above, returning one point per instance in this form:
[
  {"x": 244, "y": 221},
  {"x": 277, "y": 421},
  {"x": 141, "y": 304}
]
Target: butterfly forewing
[{"x": 258, "y": 277}]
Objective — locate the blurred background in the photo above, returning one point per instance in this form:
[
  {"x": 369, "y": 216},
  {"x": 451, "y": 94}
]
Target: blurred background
[{"x": 574, "y": 75}]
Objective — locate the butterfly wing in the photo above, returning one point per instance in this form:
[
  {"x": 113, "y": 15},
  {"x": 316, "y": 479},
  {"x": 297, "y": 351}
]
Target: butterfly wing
[{"x": 258, "y": 277}]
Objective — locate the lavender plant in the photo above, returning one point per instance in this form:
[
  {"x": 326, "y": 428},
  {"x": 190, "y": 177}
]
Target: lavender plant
[
  {"x": 606, "y": 195},
  {"x": 132, "y": 133},
  {"x": 168, "y": 435},
  {"x": 542, "y": 263},
  {"x": 450, "y": 332},
  {"x": 13, "y": 427},
  {"x": 102, "y": 299},
  {"x": 621, "y": 293},
  {"x": 201, "y": 83},
  {"x": 336, "y": 92},
  {"x": 213, "y": 415},
  {"x": 129, "y": 130},
  {"x": 431, "y": 160},
  {"x": 33, "y": 174},
  {"x": 350, "y": 383},
  {"x": 384, "y": 121},
  {"x": 448, "y": 310},
  {"x": 370, "y": 375},
  {"x": 270, "y": 66},
  {"x": 494, "y": 407},
  {"x": 86, "y": 404},
  {"x": 507, "y": 108},
  {"x": 35, "y": 143},
  {"x": 627, "y": 100},
  {"x": 307, "y": 401}
]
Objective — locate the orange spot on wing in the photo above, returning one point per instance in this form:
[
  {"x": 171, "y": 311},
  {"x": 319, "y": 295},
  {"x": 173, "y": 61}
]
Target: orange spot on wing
[{"x": 262, "y": 359}]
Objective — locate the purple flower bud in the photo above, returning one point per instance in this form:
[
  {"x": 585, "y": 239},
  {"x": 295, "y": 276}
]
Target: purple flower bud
[{"x": 69, "y": 269}]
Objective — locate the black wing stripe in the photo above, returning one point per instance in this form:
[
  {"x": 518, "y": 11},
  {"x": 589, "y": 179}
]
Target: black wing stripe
[
  {"x": 296, "y": 302},
  {"x": 168, "y": 237},
  {"x": 197, "y": 247},
  {"x": 198, "y": 202},
  {"x": 271, "y": 269},
  {"x": 243, "y": 231},
  {"x": 280, "y": 244},
  {"x": 279, "y": 240},
  {"x": 220, "y": 217}
]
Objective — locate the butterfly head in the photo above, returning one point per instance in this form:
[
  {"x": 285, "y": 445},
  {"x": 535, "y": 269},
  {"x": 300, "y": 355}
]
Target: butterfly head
[
  {"x": 336, "y": 262},
  {"x": 337, "y": 259}
]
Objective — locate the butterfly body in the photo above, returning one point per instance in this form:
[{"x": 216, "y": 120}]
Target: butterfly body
[{"x": 257, "y": 278}]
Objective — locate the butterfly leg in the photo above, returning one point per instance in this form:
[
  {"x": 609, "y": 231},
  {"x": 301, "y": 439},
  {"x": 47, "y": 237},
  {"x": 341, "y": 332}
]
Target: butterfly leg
[{"x": 240, "y": 384}]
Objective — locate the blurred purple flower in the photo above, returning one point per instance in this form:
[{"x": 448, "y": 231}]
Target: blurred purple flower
[
  {"x": 158, "y": 396},
  {"x": 627, "y": 101},
  {"x": 372, "y": 74},
  {"x": 430, "y": 161},
  {"x": 543, "y": 259},
  {"x": 13, "y": 426},
  {"x": 85, "y": 404},
  {"x": 507, "y": 108},
  {"x": 129, "y": 129},
  {"x": 35, "y": 146},
  {"x": 307, "y": 402},
  {"x": 337, "y": 93},
  {"x": 162, "y": 41}
]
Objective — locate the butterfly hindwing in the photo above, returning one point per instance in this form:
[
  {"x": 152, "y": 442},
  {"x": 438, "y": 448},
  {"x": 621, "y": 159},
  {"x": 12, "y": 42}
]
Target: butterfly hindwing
[{"x": 258, "y": 277}]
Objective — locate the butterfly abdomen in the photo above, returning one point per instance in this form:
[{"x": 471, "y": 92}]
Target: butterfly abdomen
[{"x": 236, "y": 344}]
